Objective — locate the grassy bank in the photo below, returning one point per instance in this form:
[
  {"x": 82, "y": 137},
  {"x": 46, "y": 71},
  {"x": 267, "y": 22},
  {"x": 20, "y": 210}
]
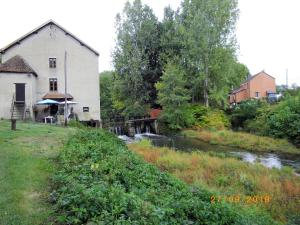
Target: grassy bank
[
  {"x": 25, "y": 167},
  {"x": 100, "y": 181},
  {"x": 243, "y": 140},
  {"x": 230, "y": 177}
]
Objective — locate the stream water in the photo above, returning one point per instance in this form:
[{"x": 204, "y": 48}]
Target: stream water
[{"x": 270, "y": 160}]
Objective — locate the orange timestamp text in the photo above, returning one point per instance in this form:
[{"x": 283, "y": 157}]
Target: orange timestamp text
[{"x": 255, "y": 199}]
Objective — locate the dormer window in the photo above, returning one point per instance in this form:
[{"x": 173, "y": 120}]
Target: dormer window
[
  {"x": 52, "y": 62},
  {"x": 53, "y": 84}
]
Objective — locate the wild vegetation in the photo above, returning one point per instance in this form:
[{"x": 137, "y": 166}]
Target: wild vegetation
[
  {"x": 229, "y": 178},
  {"x": 281, "y": 120},
  {"x": 93, "y": 186},
  {"x": 243, "y": 140},
  {"x": 27, "y": 163}
]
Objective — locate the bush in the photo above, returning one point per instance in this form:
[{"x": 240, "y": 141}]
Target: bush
[
  {"x": 209, "y": 118},
  {"x": 284, "y": 120},
  {"x": 279, "y": 121},
  {"x": 245, "y": 111},
  {"x": 99, "y": 180}
]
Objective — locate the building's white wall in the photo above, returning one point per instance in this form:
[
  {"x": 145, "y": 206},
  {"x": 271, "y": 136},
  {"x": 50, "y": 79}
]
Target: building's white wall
[
  {"x": 7, "y": 90},
  {"x": 82, "y": 67}
]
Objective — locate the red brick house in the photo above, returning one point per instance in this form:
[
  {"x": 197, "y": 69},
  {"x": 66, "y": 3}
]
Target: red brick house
[{"x": 257, "y": 86}]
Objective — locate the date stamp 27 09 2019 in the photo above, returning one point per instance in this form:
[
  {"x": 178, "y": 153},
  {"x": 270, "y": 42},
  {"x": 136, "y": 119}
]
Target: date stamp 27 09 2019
[{"x": 244, "y": 199}]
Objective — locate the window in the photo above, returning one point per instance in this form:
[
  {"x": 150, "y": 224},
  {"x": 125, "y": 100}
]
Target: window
[
  {"x": 257, "y": 94},
  {"x": 86, "y": 109},
  {"x": 53, "y": 84},
  {"x": 52, "y": 62}
]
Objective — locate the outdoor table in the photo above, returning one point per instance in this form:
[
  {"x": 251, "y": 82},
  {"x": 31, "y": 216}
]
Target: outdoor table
[{"x": 50, "y": 118}]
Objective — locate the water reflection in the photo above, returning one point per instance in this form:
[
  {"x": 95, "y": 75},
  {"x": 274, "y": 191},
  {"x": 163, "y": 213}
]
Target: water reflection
[{"x": 269, "y": 160}]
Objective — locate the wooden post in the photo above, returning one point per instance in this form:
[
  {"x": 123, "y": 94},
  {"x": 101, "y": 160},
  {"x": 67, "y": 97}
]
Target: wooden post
[
  {"x": 66, "y": 99},
  {"x": 13, "y": 124}
]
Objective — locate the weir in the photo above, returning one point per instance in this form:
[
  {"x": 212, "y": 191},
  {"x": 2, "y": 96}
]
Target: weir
[{"x": 133, "y": 126}]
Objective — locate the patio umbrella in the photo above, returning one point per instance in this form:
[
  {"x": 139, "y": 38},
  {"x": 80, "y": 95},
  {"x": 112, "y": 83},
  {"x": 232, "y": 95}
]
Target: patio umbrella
[
  {"x": 68, "y": 102},
  {"x": 47, "y": 102}
]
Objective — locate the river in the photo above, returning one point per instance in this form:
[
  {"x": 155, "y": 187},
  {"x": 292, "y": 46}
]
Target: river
[{"x": 270, "y": 160}]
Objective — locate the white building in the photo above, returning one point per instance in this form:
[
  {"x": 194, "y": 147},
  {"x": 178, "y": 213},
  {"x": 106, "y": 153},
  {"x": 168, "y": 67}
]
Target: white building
[{"x": 32, "y": 69}]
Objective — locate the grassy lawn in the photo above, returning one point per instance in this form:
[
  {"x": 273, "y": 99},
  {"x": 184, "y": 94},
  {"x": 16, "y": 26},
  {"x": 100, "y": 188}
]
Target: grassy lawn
[
  {"x": 27, "y": 161},
  {"x": 243, "y": 140},
  {"x": 230, "y": 178}
]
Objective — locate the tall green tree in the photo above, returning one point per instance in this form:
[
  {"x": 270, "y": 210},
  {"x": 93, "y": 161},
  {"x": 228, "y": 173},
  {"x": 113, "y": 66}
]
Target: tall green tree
[
  {"x": 209, "y": 25},
  {"x": 136, "y": 58},
  {"x": 173, "y": 97},
  {"x": 108, "y": 110},
  {"x": 226, "y": 73},
  {"x": 171, "y": 38}
]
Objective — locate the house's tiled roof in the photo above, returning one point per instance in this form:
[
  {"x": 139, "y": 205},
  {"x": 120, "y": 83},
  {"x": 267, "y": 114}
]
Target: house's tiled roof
[
  {"x": 56, "y": 95},
  {"x": 35, "y": 31},
  {"x": 251, "y": 77},
  {"x": 241, "y": 88},
  {"x": 16, "y": 65}
]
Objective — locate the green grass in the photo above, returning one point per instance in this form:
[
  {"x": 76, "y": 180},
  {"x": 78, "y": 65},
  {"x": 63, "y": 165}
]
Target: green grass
[
  {"x": 27, "y": 161},
  {"x": 229, "y": 177},
  {"x": 243, "y": 140}
]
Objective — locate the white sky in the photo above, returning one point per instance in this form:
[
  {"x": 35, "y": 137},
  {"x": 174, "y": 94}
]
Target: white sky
[{"x": 268, "y": 31}]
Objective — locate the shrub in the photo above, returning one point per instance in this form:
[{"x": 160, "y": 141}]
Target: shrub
[
  {"x": 99, "y": 180},
  {"x": 245, "y": 111},
  {"x": 209, "y": 118},
  {"x": 280, "y": 121},
  {"x": 284, "y": 120}
]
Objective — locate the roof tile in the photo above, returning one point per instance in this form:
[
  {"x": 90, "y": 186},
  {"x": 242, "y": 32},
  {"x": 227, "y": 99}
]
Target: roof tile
[{"x": 16, "y": 64}]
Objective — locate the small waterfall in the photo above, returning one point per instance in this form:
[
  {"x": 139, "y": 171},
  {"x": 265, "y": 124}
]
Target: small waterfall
[
  {"x": 148, "y": 129},
  {"x": 120, "y": 131},
  {"x": 117, "y": 130},
  {"x": 138, "y": 129}
]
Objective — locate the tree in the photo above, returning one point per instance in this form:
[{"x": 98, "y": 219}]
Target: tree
[
  {"x": 226, "y": 73},
  {"x": 108, "y": 110},
  {"x": 170, "y": 39},
  {"x": 136, "y": 58},
  {"x": 209, "y": 26},
  {"x": 174, "y": 97}
]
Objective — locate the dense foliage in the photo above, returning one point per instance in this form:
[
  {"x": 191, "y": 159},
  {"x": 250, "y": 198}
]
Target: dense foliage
[
  {"x": 246, "y": 111},
  {"x": 208, "y": 52},
  {"x": 209, "y": 118},
  {"x": 93, "y": 186},
  {"x": 136, "y": 58},
  {"x": 173, "y": 96},
  {"x": 199, "y": 37},
  {"x": 281, "y": 120},
  {"x": 108, "y": 105},
  {"x": 284, "y": 120}
]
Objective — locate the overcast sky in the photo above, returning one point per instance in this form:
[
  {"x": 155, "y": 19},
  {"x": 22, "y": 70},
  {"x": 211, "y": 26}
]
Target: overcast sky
[{"x": 268, "y": 31}]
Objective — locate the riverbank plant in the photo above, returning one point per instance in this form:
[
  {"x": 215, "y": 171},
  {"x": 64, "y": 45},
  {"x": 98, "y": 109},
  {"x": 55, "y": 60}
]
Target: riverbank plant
[
  {"x": 230, "y": 177},
  {"x": 243, "y": 140},
  {"x": 100, "y": 181}
]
